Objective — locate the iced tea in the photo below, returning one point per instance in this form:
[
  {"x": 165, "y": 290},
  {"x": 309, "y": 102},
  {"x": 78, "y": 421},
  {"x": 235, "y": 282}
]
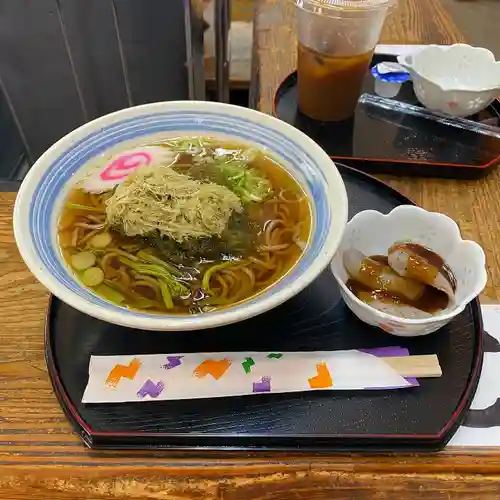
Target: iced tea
[{"x": 329, "y": 86}]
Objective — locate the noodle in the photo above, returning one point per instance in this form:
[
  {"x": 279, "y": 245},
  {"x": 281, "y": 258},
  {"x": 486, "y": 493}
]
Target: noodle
[
  {"x": 272, "y": 278},
  {"x": 155, "y": 274},
  {"x": 275, "y": 248},
  {"x": 259, "y": 262},
  {"x": 283, "y": 199},
  {"x": 151, "y": 286},
  {"x": 88, "y": 236},
  {"x": 248, "y": 271},
  {"x": 149, "y": 279},
  {"x": 98, "y": 219},
  {"x": 280, "y": 215},
  {"x": 225, "y": 288},
  {"x": 125, "y": 278},
  {"x": 106, "y": 262},
  {"x": 74, "y": 238},
  {"x": 269, "y": 227},
  {"x": 86, "y": 225}
]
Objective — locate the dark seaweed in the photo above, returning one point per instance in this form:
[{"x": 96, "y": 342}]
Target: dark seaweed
[{"x": 236, "y": 242}]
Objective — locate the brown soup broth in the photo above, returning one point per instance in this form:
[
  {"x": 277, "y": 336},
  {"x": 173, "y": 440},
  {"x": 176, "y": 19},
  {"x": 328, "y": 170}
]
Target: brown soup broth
[{"x": 258, "y": 270}]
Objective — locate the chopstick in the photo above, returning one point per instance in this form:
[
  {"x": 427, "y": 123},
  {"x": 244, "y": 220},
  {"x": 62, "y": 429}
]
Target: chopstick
[{"x": 425, "y": 366}]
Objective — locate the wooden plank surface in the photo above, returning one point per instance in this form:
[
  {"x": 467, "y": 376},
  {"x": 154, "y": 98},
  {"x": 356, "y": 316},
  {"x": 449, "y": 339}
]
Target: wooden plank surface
[
  {"x": 11, "y": 145},
  {"x": 64, "y": 62},
  {"x": 152, "y": 36},
  {"x": 91, "y": 31},
  {"x": 34, "y": 58},
  {"x": 40, "y": 457}
]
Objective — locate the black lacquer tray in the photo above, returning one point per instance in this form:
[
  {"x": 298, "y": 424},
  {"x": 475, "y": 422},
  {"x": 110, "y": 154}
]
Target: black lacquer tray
[
  {"x": 422, "y": 418},
  {"x": 401, "y": 146}
]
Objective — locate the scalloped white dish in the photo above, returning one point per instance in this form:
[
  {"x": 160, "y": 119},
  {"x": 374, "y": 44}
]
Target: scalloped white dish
[
  {"x": 373, "y": 233},
  {"x": 459, "y": 79}
]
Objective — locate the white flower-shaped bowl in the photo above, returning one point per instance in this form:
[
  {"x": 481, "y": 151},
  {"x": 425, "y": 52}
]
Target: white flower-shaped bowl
[
  {"x": 43, "y": 192},
  {"x": 459, "y": 80},
  {"x": 373, "y": 233}
]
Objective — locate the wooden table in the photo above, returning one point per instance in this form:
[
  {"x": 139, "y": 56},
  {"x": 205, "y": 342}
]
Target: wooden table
[{"x": 40, "y": 458}]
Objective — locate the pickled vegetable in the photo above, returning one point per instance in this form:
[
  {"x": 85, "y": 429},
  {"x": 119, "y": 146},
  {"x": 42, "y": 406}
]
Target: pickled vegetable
[
  {"x": 93, "y": 276},
  {"x": 83, "y": 260}
]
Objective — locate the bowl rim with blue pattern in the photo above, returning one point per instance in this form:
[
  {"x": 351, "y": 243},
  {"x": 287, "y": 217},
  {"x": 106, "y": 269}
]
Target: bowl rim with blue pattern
[{"x": 44, "y": 189}]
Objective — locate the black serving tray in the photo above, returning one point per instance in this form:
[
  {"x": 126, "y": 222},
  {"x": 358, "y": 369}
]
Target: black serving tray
[
  {"x": 409, "y": 146},
  {"x": 422, "y": 418}
]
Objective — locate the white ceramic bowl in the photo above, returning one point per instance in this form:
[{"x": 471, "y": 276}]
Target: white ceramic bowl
[
  {"x": 373, "y": 233},
  {"x": 47, "y": 184},
  {"x": 459, "y": 80}
]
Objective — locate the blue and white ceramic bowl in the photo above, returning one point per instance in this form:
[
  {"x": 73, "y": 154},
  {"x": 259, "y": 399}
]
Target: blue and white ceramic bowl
[{"x": 49, "y": 181}]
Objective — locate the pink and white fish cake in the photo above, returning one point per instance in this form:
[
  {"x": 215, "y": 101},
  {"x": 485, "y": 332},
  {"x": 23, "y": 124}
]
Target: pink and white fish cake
[{"x": 115, "y": 170}]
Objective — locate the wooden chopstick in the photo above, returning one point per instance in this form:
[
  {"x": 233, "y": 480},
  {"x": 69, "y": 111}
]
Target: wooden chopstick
[{"x": 426, "y": 366}]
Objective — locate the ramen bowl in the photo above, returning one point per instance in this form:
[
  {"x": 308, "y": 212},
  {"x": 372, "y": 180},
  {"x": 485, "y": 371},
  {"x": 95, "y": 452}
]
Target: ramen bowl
[
  {"x": 43, "y": 193},
  {"x": 372, "y": 233}
]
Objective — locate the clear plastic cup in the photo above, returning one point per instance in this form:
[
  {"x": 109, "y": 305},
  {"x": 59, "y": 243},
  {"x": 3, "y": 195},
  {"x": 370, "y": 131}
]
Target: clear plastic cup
[{"x": 336, "y": 39}]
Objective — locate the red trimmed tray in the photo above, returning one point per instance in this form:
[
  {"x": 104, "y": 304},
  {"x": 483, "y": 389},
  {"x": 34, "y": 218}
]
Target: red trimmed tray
[
  {"x": 408, "y": 146},
  {"x": 416, "y": 419}
]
